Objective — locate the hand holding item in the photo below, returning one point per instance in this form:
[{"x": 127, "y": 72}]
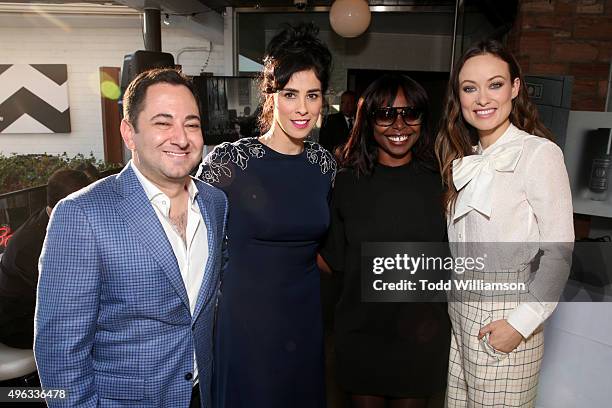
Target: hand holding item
[{"x": 502, "y": 336}]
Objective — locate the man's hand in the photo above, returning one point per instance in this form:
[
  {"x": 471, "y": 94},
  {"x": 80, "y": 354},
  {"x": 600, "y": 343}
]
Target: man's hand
[{"x": 502, "y": 336}]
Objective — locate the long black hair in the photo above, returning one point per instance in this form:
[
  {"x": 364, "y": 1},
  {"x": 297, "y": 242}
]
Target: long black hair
[
  {"x": 294, "y": 49},
  {"x": 361, "y": 150}
]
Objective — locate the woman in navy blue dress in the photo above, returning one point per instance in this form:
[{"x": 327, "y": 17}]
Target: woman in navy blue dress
[{"x": 269, "y": 341}]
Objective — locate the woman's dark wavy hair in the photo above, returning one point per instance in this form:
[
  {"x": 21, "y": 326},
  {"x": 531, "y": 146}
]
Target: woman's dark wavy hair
[
  {"x": 456, "y": 137},
  {"x": 294, "y": 49},
  {"x": 361, "y": 150}
]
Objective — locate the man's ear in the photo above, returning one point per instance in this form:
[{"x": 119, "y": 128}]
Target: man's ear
[{"x": 127, "y": 134}]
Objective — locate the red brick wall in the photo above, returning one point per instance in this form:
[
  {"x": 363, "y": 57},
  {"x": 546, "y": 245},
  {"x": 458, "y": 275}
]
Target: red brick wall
[{"x": 567, "y": 37}]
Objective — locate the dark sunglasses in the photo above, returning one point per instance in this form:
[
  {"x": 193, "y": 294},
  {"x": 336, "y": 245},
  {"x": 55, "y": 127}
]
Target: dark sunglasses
[{"x": 386, "y": 116}]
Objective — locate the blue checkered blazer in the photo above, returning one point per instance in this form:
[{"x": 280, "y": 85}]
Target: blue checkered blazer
[{"x": 113, "y": 324}]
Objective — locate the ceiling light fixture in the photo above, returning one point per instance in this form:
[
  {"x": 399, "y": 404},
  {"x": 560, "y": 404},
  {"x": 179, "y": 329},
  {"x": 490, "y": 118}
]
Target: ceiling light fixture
[{"x": 350, "y": 18}]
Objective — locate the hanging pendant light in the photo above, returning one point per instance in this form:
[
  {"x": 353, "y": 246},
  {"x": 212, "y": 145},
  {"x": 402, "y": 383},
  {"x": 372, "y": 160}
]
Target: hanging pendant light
[{"x": 350, "y": 18}]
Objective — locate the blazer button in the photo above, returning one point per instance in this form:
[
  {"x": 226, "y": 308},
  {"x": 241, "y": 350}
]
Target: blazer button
[{"x": 188, "y": 376}]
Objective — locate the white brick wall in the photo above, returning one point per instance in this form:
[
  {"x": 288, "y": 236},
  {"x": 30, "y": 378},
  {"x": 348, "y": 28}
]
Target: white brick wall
[{"x": 86, "y": 44}]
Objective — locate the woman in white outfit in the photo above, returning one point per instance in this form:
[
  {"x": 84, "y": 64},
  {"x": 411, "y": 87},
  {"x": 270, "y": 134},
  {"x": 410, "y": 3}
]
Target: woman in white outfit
[{"x": 506, "y": 183}]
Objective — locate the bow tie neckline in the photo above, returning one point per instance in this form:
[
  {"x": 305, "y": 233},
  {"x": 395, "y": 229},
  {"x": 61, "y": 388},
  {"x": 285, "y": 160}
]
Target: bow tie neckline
[{"x": 473, "y": 175}]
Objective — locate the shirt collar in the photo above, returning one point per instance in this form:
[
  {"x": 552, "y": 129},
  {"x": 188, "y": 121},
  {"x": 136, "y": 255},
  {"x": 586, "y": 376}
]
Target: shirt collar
[
  {"x": 152, "y": 191},
  {"x": 508, "y": 136}
]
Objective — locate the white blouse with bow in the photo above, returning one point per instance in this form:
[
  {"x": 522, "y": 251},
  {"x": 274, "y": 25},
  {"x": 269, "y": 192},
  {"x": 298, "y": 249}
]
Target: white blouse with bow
[{"x": 516, "y": 191}]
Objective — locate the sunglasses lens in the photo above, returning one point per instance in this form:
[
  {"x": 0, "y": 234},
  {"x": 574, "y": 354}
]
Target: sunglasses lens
[
  {"x": 411, "y": 114},
  {"x": 385, "y": 116}
]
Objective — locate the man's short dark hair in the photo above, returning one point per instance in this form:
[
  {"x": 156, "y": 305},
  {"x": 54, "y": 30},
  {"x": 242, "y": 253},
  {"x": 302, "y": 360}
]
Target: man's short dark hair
[
  {"x": 64, "y": 182},
  {"x": 133, "y": 99},
  {"x": 348, "y": 92},
  {"x": 90, "y": 170}
]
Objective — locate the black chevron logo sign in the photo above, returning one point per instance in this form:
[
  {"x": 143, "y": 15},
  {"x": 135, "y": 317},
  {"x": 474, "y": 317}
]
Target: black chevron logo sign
[{"x": 34, "y": 98}]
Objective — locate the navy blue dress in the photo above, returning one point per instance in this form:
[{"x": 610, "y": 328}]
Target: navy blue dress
[{"x": 269, "y": 340}]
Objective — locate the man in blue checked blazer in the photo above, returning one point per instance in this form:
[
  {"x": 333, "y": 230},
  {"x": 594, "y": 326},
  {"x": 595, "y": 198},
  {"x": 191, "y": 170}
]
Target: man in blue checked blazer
[{"x": 131, "y": 265}]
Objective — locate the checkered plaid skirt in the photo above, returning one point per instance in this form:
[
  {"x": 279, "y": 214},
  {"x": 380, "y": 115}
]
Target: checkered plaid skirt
[{"x": 478, "y": 375}]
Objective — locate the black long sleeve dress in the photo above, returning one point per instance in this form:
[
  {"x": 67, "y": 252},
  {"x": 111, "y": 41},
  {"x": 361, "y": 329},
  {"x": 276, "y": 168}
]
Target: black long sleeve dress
[{"x": 387, "y": 349}]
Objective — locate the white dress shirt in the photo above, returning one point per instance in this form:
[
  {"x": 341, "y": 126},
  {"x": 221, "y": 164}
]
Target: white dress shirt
[
  {"x": 191, "y": 255},
  {"x": 516, "y": 190},
  {"x": 349, "y": 121}
]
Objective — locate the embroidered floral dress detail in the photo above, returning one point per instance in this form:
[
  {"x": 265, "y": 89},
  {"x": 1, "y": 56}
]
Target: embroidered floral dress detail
[
  {"x": 220, "y": 161},
  {"x": 315, "y": 153}
]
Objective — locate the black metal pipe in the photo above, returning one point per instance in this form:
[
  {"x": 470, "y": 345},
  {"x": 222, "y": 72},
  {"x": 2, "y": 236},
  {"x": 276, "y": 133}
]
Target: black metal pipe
[
  {"x": 151, "y": 30},
  {"x": 457, "y": 32}
]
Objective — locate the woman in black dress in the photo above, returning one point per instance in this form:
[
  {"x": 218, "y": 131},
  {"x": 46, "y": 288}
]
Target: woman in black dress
[
  {"x": 387, "y": 354},
  {"x": 269, "y": 339}
]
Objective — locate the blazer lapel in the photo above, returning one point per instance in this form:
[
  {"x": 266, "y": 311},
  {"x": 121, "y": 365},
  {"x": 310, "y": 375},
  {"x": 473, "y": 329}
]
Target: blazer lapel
[
  {"x": 345, "y": 125},
  {"x": 140, "y": 217},
  {"x": 209, "y": 215}
]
